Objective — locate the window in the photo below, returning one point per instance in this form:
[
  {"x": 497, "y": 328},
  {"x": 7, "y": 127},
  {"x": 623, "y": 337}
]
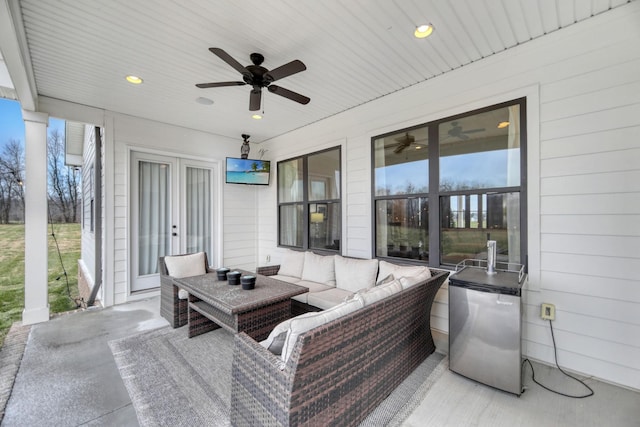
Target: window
[
  {"x": 442, "y": 189},
  {"x": 309, "y": 208}
]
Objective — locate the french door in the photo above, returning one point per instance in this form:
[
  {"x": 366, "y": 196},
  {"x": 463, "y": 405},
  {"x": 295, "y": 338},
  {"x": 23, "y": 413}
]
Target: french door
[{"x": 171, "y": 212}]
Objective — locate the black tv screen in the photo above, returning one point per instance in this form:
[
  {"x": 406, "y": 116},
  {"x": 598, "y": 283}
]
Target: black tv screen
[{"x": 248, "y": 171}]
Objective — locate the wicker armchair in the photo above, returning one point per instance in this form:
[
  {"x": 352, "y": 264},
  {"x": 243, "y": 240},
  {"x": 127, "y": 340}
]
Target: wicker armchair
[{"x": 173, "y": 308}]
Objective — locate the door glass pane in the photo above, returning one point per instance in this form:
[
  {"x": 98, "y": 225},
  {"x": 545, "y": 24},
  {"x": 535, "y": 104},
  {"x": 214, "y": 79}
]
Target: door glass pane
[
  {"x": 481, "y": 150},
  {"x": 198, "y": 210},
  {"x": 401, "y": 163},
  {"x": 468, "y": 221},
  {"x": 324, "y": 175},
  {"x": 402, "y": 228},
  {"x": 290, "y": 179},
  {"x": 324, "y": 226},
  {"x": 154, "y": 237},
  {"x": 291, "y": 225}
]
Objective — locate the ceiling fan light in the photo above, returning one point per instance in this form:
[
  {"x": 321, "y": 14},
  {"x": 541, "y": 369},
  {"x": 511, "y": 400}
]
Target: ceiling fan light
[
  {"x": 256, "y": 117},
  {"x": 503, "y": 125},
  {"x": 135, "y": 80},
  {"x": 423, "y": 31}
]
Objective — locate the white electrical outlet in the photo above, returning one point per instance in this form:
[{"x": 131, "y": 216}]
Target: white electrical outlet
[
  {"x": 268, "y": 258},
  {"x": 548, "y": 311}
]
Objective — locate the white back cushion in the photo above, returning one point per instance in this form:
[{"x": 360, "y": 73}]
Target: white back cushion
[
  {"x": 292, "y": 262},
  {"x": 318, "y": 268},
  {"x": 185, "y": 265},
  {"x": 355, "y": 274},
  {"x": 306, "y": 322}
]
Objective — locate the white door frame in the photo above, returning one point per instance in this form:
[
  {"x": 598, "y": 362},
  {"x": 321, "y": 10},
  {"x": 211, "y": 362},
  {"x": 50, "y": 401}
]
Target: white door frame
[{"x": 179, "y": 209}]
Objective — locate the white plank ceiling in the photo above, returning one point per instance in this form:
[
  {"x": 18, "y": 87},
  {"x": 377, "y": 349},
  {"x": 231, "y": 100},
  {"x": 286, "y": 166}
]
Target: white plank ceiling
[{"x": 355, "y": 51}]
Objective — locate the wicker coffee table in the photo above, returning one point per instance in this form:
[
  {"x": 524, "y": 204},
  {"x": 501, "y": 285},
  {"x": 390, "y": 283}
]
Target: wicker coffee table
[{"x": 214, "y": 303}]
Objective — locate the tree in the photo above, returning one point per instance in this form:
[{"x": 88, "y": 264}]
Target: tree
[
  {"x": 64, "y": 181},
  {"x": 11, "y": 184}
]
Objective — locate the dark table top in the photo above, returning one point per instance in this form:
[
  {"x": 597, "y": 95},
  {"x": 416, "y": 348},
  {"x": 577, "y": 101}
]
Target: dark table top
[{"x": 234, "y": 299}]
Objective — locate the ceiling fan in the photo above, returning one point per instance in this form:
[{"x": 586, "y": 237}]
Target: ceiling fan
[
  {"x": 259, "y": 77},
  {"x": 457, "y": 132},
  {"x": 402, "y": 143}
]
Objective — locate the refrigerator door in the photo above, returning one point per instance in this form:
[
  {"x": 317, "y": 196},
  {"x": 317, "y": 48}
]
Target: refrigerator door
[{"x": 484, "y": 337}]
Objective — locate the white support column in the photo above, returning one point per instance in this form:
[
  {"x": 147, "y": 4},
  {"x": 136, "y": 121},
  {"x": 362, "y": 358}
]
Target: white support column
[{"x": 36, "y": 298}]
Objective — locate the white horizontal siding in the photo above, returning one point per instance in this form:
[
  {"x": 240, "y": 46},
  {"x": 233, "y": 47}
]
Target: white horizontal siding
[{"x": 584, "y": 165}]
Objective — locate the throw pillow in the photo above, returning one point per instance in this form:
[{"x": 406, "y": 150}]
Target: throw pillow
[
  {"x": 318, "y": 268},
  {"x": 292, "y": 263},
  {"x": 386, "y": 280},
  {"x": 278, "y": 342},
  {"x": 355, "y": 274},
  {"x": 408, "y": 281},
  {"x": 387, "y": 268},
  {"x": 180, "y": 266},
  {"x": 379, "y": 292}
]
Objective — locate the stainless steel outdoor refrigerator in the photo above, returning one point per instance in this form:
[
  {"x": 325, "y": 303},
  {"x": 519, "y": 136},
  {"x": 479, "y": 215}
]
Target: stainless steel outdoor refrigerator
[{"x": 485, "y": 325}]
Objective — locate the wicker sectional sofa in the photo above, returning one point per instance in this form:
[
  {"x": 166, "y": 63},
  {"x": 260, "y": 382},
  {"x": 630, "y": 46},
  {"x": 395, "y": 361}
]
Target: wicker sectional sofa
[{"x": 338, "y": 372}]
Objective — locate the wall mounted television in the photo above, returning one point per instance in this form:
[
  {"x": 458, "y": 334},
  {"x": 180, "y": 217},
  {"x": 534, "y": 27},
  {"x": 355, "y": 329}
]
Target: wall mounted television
[{"x": 247, "y": 171}]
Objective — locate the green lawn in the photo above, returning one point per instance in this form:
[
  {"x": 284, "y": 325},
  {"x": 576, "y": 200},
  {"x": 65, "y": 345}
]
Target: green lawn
[{"x": 12, "y": 271}]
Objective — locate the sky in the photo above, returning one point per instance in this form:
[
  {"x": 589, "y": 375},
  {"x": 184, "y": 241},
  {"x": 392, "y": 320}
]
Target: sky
[{"x": 12, "y": 125}]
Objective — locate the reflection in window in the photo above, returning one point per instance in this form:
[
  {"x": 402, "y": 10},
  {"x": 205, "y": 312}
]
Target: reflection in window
[
  {"x": 324, "y": 175},
  {"x": 402, "y": 228},
  {"x": 324, "y": 226},
  {"x": 477, "y": 162},
  {"x": 475, "y": 152},
  {"x": 291, "y": 230},
  {"x": 401, "y": 163},
  {"x": 468, "y": 221},
  {"x": 309, "y": 208}
]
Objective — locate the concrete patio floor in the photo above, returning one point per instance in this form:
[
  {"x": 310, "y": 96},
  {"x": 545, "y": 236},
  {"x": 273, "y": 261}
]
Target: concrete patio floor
[{"x": 68, "y": 377}]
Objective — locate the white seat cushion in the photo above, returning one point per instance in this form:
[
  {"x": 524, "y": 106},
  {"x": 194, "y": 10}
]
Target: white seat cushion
[
  {"x": 303, "y": 298},
  {"x": 179, "y": 266},
  {"x": 329, "y": 298},
  {"x": 288, "y": 279},
  {"x": 291, "y": 264},
  {"x": 355, "y": 274},
  {"x": 308, "y": 321},
  {"x": 312, "y": 286},
  {"x": 318, "y": 268}
]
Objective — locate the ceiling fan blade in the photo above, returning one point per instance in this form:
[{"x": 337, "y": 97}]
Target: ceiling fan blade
[
  {"x": 285, "y": 70},
  {"x": 288, "y": 94},
  {"x": 254, "y": 99},
  {"x": 473, "y": 130},
  {"x": 229, "y": 60},
  {"x": 219, "y": 84}
]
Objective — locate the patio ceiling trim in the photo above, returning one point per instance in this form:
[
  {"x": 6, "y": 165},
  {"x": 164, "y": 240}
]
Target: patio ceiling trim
[{"x": 14, "y": 46}]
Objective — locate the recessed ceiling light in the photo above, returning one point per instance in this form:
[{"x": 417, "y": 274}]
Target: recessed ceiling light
[
  {"x": 133, "y": 79},
  {"x": 418, "y": 147},
  {"x": 503, "y": 125},
  {"x": 257, "y": 117},
  {"x": 204, "y": 101},
  {"x": 423, "y": 31}
]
